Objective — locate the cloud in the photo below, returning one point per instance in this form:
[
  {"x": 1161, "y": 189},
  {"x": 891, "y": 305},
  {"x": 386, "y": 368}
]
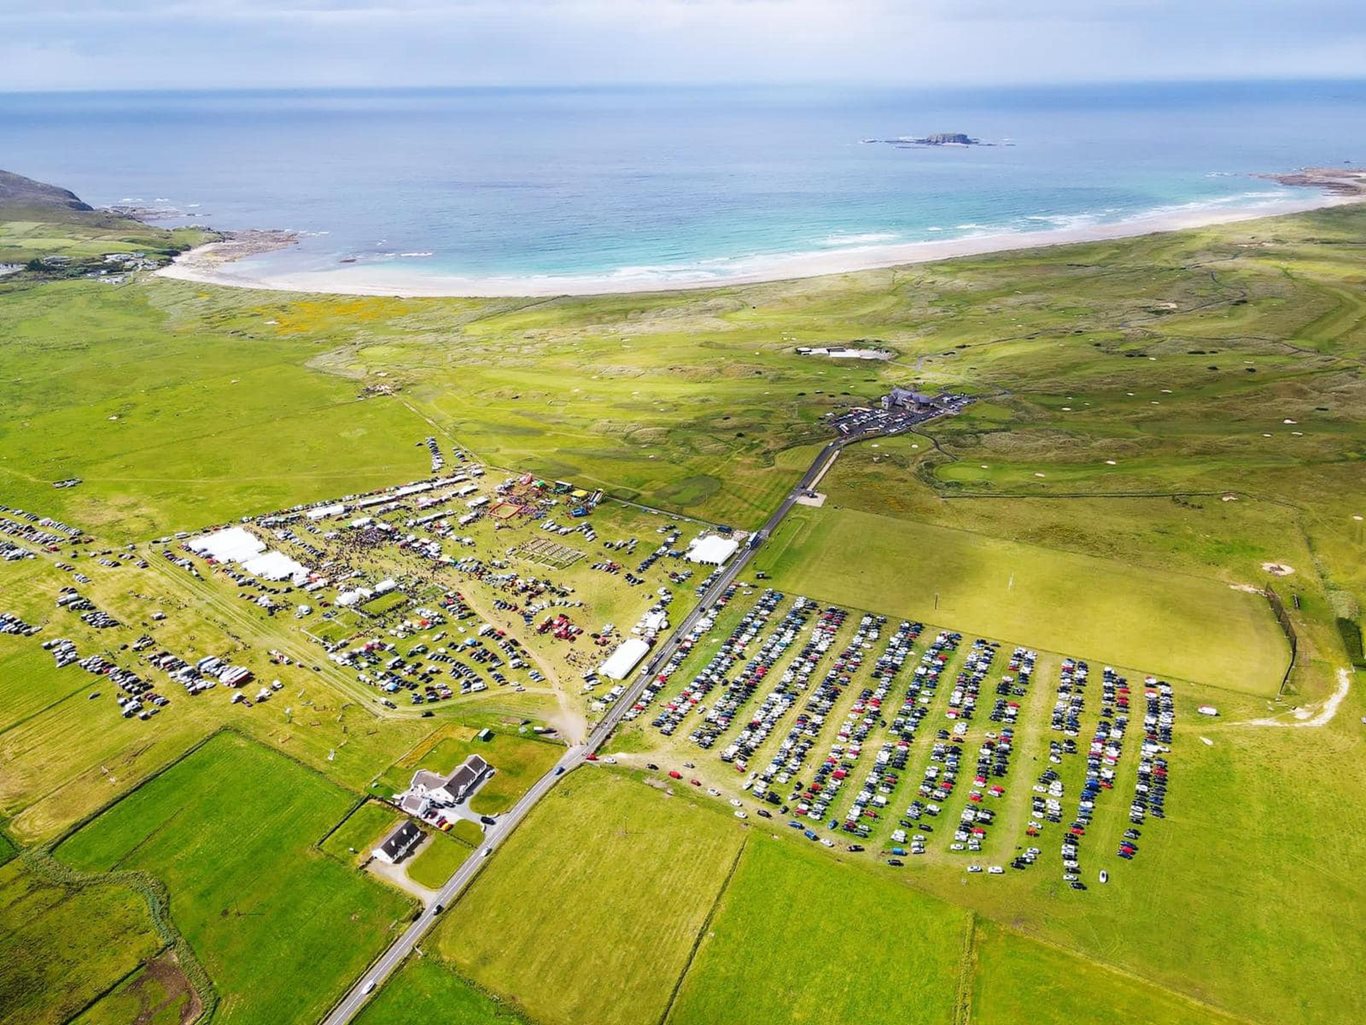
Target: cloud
[{"x": 177, "y": 43}]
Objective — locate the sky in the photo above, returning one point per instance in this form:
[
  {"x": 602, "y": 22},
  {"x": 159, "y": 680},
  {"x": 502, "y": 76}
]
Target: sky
[{"x": 156, "y": 44}]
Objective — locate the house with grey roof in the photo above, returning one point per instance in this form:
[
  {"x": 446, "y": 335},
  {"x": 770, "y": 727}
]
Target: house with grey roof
[{"x": 398, "y": 844}]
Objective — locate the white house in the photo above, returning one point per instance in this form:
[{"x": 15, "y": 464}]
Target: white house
[{"x": 398, "y": 844}]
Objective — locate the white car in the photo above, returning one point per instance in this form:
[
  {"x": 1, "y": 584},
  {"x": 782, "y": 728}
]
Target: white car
[
  {"x": 996, "y": 870},
  {"x": 735, "y": 802},
  {"x": 827, "y": 842},
  {"x": 741, "y": 815},
  {"x": 974, "y": 868}
]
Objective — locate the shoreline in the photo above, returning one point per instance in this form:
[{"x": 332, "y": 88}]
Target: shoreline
[{"x": 209, "y": 264}]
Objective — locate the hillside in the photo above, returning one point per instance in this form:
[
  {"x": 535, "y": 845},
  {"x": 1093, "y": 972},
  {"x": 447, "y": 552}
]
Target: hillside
[
  {"x": 50, "y": 232},
  {"x": 16, "y": 190}
]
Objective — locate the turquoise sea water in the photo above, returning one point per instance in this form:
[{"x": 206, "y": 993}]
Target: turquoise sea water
[{"x": 517, "y": 182}]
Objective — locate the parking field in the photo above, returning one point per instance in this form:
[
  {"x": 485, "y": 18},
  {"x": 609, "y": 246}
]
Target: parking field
[{"x": 919, "y": 745}]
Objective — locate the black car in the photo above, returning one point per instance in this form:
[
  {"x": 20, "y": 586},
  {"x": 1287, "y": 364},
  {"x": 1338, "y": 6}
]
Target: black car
[
  {"x": 895, "y": 862},
  {"x": 488, "y": 820},
  {"x": 856, "y": 847}
]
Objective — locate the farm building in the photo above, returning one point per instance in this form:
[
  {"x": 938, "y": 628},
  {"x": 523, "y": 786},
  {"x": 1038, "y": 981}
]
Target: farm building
[
  {"x": 627, "y": 656},
  {"x": 712, "y": 549},
  {"x": 398, "y": 844}
]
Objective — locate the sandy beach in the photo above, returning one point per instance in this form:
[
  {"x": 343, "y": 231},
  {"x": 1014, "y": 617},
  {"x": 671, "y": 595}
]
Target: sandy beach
[{"x": 218, "y": 263}]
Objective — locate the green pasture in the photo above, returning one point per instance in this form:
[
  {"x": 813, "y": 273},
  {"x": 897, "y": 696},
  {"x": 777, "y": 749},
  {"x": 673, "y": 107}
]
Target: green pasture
[
  {"x": 607, "y": 879},
  {"x": 1170, "y": 624},
  {"x": 65, "y": 943},
  {"x": 361, "y": 831},
  {"x": 1017, "y": 980},
  {"x": 156, "y": 994},
  {"x": 799, "y": 938},
  {"x": 437, "y": 861},
  {"x": 424, "y": 989},
  {"x": 229, "y": 830}
]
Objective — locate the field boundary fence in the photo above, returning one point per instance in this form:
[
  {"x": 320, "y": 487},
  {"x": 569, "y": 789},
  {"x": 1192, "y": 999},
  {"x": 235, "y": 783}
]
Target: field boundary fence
[{"x": 1288, "y": 628}]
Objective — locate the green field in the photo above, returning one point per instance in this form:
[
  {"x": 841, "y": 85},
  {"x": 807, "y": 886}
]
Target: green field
[
  {"x": 229, "y": 831},
  {"x": 799, "y": 939},
  {"x": 1186, "y": 627},
  {"x": 65, "y": 944},
  {"x": 614, "y": 872},
  {"x": 157, "y": 994},
  {"x": 437, "y": 861},
  {"x": 1017, "y": 980},
  {"x": 34, "y": 232},
  {"x": 425, "y": 990},
  {"x": 361, "y": 831}
]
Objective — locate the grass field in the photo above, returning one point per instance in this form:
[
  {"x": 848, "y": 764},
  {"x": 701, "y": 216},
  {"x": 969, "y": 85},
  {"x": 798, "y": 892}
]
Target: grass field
[
  {"x": 1186, "y": 627},
  {"x": 157, "y": 994},
  {"x": 424, "y": 990},
  {"x": 36, "y": 231},
  {"x": 65, "y": 945},
  {"x": 354, "y": 839},
  {"x": 1018, "y": 980},
  {"x": 607, "y": 880},
  {"x": 437, "y": 861},
  {"x": 797, "y": 938},
  {"x": 229, "y": 831}
]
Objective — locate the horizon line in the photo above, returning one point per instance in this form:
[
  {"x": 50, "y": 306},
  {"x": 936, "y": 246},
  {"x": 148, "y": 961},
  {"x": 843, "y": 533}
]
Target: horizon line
[{"x": 1078, "y": 83}]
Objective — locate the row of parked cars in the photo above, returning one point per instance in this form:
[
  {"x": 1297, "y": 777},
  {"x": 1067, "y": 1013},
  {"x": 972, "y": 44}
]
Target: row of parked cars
[
  {"x": 713, "y": 674},
  {"x": 738, "y": 691}
]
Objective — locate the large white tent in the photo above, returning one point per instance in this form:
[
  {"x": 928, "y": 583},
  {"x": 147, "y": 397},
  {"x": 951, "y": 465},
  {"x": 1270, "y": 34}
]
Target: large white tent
[
  {"x": 712, "y": 549},
  {"x": 627, "y": 656},
  {"x": 236, "y": 544}
]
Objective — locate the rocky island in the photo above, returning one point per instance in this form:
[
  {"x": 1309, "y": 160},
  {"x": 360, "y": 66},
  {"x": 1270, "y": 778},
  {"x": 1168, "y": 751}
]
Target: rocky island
[{"x": 933, "y": 139}]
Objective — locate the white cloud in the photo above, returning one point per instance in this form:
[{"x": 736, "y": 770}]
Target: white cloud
[{"x": 156, "y": 43}]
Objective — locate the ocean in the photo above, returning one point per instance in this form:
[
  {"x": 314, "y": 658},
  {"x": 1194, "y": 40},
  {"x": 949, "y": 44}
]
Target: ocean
[{"x": 669, "y": 181}]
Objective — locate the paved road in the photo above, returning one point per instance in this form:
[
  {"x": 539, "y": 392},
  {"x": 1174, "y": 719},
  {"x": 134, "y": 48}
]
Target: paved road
[{"x": 381, "y": 969}]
